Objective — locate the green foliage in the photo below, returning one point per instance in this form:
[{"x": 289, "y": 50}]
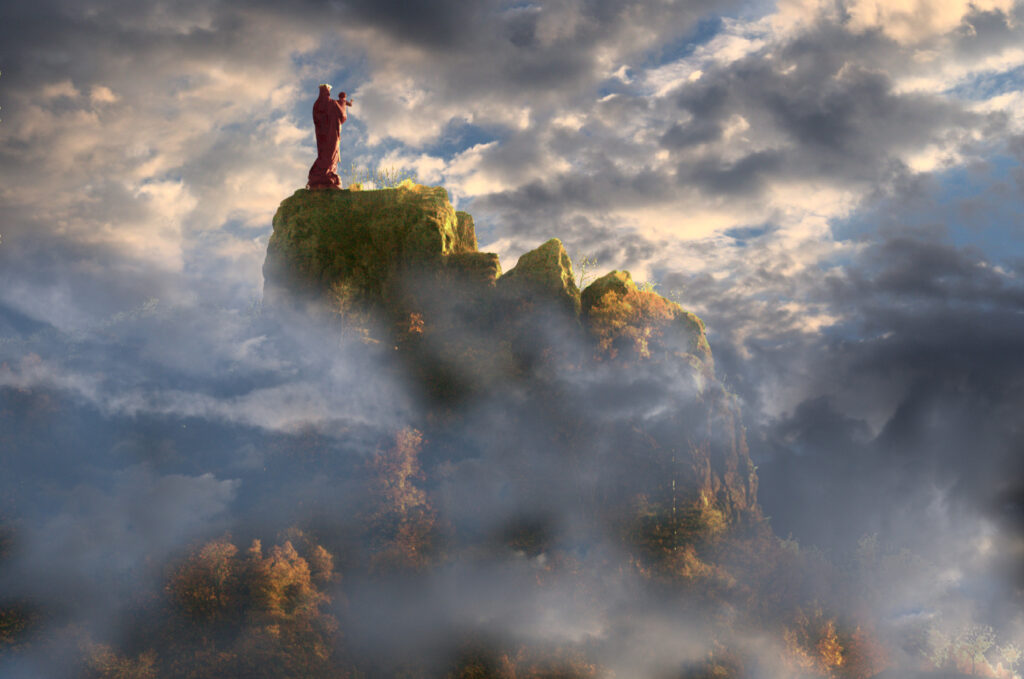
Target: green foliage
[
  {"x": 584, "y": 267},
  {"x": 1010, "y": 655},
  {"x": 974, "y": 642}
]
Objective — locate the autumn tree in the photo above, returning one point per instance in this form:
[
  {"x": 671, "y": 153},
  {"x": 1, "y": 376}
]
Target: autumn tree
[
  {"x": 863, "y": 654},
  {"x": 105, "y": 663},
  {"x": 627, "y": 324},
  {"x": 205, "y": 586},
  {"x": 253, "y": 614},
  {"x": 812, "y": 642},
  {"x": 401, "y": 522}
]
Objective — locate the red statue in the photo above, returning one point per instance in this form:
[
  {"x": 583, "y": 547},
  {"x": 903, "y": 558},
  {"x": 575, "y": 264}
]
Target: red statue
[{"x": 328, "y": 116}]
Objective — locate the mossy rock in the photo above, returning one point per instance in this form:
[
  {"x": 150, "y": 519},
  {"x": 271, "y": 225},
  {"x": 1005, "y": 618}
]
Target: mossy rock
[
  {"x": 476, "y": 267},
  {"x": 466, "y": 232},
  {"x": 544, "y": 273},
  {"x": 619, "y": 282},
  {"x": 361, "y": 239}
]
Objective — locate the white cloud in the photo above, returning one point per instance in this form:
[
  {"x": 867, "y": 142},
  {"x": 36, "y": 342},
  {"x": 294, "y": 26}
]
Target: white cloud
[
  {"x": 101, "y": 94},
  {"x": 56, "y": 90},
  {"x": 467, "y": 176},
  {"x": 912, "y": 21},
  {"x": 428, "y": 169}
]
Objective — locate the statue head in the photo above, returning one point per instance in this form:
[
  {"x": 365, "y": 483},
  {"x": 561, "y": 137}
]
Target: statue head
[{"x": 325, "y": 90}]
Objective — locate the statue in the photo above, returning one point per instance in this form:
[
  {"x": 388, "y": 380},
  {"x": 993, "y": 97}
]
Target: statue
[{"x": 328, "y": 117}]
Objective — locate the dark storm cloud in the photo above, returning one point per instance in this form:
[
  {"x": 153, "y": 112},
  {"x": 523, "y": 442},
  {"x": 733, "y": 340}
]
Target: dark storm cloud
[
  {"x": 909, "y": 423},
  {"x": 445, "y": 25},
  {"x": 747, "y": 175},
  {"x": 983, "y": 31},
  {"x": 826, "y": 96},
  {"x": 693, "y": 134},
  {"x": 923, "y": 272},
  {"x": 525, "y": 50}
]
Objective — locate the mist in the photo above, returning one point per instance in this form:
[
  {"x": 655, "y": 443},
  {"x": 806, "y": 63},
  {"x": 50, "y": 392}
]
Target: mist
[{"x": 833, "y": 188}]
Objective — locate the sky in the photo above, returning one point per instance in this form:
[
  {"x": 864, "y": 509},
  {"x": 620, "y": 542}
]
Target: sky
[{"x": 834, "y": 186}]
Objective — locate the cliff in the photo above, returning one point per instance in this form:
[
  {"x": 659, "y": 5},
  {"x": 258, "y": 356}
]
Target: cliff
[
  {"x": 403, "y": 265},
  {"x": 360, "y": 243}
]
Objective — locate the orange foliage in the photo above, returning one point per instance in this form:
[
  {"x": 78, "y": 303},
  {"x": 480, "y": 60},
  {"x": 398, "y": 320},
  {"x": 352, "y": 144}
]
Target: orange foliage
[
  {"x": 630, "y": 323},
  {"x": 828, "y": 648},
  {"x": 395, "y": 470},
  {"x": 14, "y": 624},
  {"x": 215, "y": 583},
  {"x": 864, "y": 656},
  {"x": 812, "y": 643},
  {"x": 104, "y": 663},
  {"x": 202, "y": 586},
  {"x": 281, "y": 584},
  {"x": 401, "y": 522},
  {"x": 523, "y": 663},
  {"x": 251, "y": 614}
]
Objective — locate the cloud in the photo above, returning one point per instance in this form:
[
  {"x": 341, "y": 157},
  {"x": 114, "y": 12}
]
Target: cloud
[{"x": 834, "y": 187}]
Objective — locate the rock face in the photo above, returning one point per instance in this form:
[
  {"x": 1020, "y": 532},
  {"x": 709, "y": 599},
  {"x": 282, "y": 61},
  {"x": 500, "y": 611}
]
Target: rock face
[
  {"x": 361, "y": 242},
  {"x": 467, "y": 334},
  {"x": 544, "y": 273}
]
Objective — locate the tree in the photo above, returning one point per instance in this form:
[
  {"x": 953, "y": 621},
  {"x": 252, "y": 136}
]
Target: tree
[
  {"x": 584, "y": 268},
  {"x": 1010, "y": 654},
  {"x": 204, "y": 586},
  {"x": 975, "y": 642},
  {"x": 401, "y": 522},
  {"x": 104, "y": 663},
  {"x": 629, "y": 323},
  {"x": 246, "y": 614},
  {"x": 938, "y": 648}
]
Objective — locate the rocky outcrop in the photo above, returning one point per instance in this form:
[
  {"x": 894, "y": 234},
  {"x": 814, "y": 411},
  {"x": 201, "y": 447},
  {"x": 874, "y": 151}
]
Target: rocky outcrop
[
  {"x": 466, "y": 332},
  {"x": 466, "y": 232},
  {"x": 545, "y": 275},
  {"x": 363, "y": 242},
  {"x": 482, "y": 268}
]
